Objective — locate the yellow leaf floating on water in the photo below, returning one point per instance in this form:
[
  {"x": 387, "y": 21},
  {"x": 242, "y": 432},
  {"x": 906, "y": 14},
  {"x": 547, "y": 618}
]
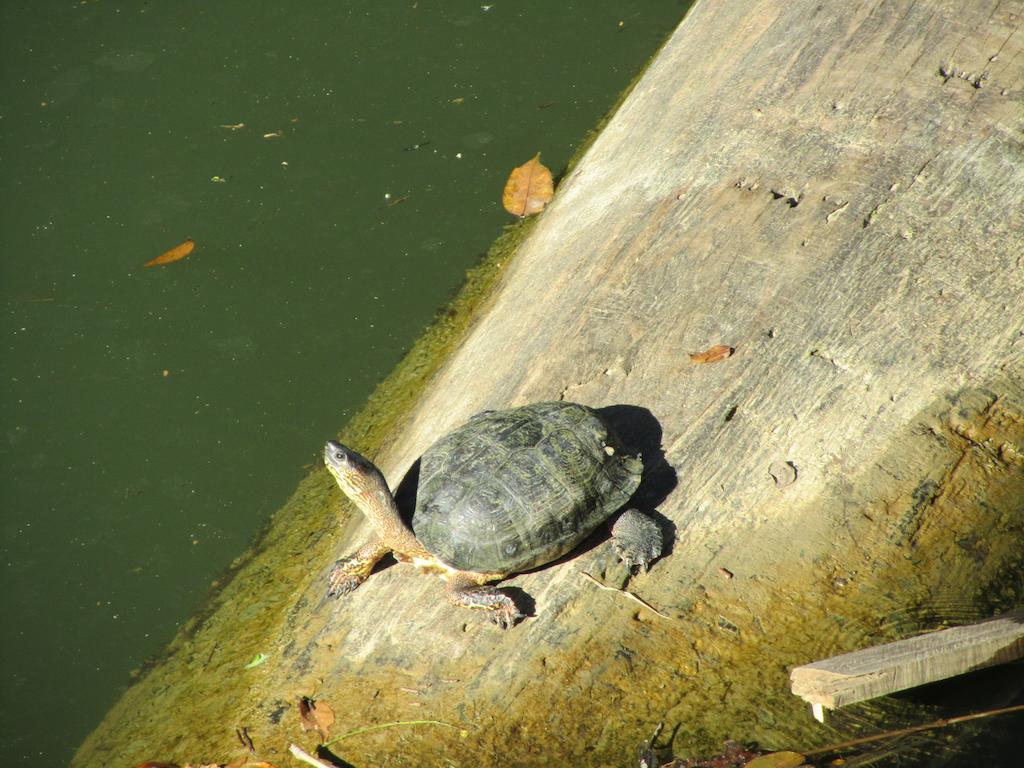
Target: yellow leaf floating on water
[
  {"x": 176, "y": 253},
  {"x": 528, "y": 189}
]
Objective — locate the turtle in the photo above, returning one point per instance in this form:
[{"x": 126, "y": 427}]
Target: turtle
[{"x": 508, "y": 491}]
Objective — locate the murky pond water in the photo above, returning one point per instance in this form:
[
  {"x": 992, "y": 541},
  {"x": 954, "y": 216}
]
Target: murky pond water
[{"x": 338, "y": 165}]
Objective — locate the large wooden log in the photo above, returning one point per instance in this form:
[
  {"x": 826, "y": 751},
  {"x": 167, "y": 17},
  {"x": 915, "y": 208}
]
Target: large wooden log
[{"x": 837, "y": 191}]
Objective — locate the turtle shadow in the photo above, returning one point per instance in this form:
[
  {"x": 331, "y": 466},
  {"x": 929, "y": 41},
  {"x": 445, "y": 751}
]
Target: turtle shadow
[
  {"x": 640, "y": 433},
  {"x": 405, "y": 493},
  {"x": 523, "y": 600}
]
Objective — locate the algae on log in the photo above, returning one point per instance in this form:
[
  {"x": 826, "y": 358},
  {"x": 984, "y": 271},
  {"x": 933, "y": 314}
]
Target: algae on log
[{"x": 835, "y": 190}]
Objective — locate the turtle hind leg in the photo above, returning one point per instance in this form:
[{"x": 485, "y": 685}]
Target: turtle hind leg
[
  {"x": 637, "y": 539},
  {"x": 349, "y": 572},
  {"x": 465, "y": 590}
]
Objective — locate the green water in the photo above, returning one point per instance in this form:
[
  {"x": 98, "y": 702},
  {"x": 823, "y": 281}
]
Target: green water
[{"x": 154, "y": 418}]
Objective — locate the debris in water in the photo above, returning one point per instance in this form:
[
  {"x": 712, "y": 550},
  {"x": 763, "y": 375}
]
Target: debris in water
[
  {"x": 176, "y": 253},
  {"x": 777, "y": 760},
  {"x": 529, "y": 188},
  {"x": 733, "y": 755},
  {"x": 258, "y": 659},
  {"x": 245, "y": 739},
  {"x": 299, "y": 754},
  {"x": 316, "y": 716}
]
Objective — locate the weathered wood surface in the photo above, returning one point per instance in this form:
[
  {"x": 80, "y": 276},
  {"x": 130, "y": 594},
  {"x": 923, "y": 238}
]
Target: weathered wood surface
[
  {"x": 884, "y": 669},
  {"x": 837, "y": 191}
]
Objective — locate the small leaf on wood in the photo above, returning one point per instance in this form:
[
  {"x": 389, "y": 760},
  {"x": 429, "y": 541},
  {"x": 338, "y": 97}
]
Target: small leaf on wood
[
  {"x": 712, "y": 354},
  {"x": 316, "y": 716},
  {"x": 528, "y": 189},
  {"x": 176, "y": 253}
]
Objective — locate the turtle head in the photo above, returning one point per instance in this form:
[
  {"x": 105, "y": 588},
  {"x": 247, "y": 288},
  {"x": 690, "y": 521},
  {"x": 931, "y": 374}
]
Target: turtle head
[
  {"x": 364, "y": 484},
  {"x": 356, "y": 475}
]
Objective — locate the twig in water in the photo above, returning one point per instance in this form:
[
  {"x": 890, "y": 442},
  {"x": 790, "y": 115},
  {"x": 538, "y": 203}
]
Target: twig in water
[
  {"x": 630, "y": 595},
  {"x": 245, "y": 739},
  {"x": 300, "y": 754},
  {"x": 941, "y": 723}
]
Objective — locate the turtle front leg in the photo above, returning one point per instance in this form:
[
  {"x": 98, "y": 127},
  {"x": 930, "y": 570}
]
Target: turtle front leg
[
  {"x": 349, "y": 572},
  {"x": 465, "y": 590}
]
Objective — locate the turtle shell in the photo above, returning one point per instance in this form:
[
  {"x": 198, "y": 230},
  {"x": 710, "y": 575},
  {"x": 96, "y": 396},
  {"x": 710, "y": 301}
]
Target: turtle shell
[{"x": 510, "y": 490}]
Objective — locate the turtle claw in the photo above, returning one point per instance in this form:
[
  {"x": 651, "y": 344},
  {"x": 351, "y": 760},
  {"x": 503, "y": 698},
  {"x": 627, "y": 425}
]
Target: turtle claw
[
  {"x": 637, "y": 559},
  {"x": 506, "y": 616},
  {"x": 349, "y": 572},
  {"x": 500, "y": 608},
  {"x": 342, "y": 580},
  {"x": 637, "y": 540}
]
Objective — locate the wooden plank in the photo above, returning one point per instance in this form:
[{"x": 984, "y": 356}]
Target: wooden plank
[{"x": 884, "y": 669}]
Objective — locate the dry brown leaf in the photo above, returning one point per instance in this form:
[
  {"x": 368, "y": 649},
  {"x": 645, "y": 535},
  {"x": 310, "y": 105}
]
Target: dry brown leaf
[
  {"x": 176, "y": 253},
  {"x": 528, "y": 189},
  {"x": 712, "y": 354},
  {"x": 316, "y": 716}
]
